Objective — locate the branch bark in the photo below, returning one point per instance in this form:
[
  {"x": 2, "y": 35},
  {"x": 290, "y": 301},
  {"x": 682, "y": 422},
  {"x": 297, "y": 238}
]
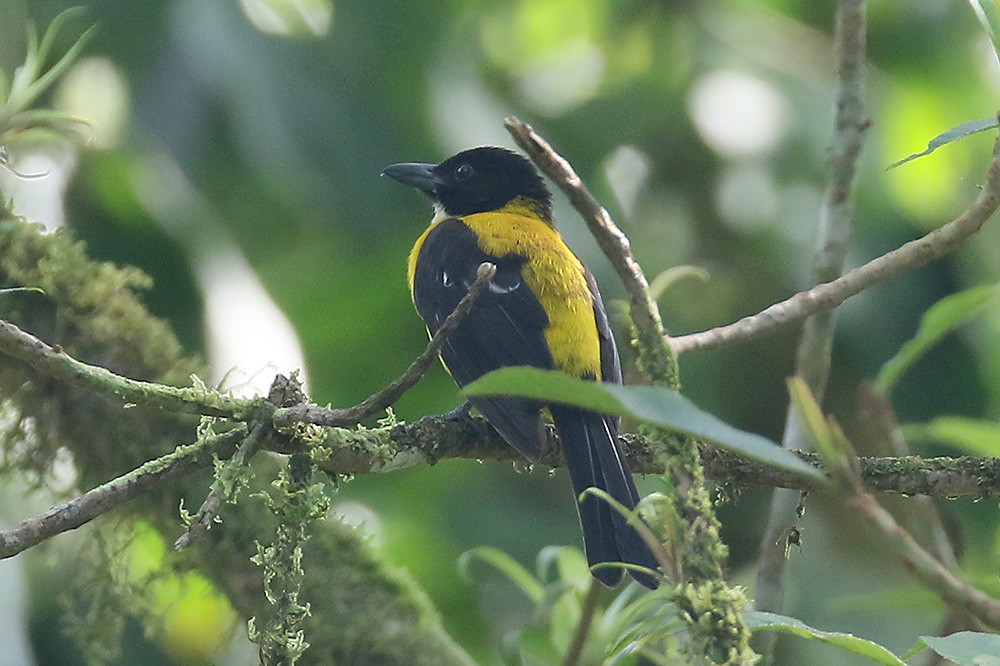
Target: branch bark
[
  {"x": 828, "y": 295},
  {"x": 814, "y": 351},
  {"x": 140, "y": 481}
]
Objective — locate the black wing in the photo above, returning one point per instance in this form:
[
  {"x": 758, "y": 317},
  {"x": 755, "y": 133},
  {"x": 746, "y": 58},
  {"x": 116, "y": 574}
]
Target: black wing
[{"x": 505, "y": 326}]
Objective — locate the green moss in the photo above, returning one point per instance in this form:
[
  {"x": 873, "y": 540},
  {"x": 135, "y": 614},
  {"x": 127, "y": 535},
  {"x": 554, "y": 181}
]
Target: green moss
[
  {"x": 362, "y": 610},
  {"x": 92, "y": 311},
  {"x": 713, "y": 613}
]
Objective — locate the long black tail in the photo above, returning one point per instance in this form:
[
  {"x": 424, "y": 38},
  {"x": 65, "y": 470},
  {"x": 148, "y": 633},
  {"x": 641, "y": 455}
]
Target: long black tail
[{"x": 594, "y": 460}]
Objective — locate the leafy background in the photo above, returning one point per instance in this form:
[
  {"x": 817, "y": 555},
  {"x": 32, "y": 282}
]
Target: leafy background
[{"x": 236, "y": 157}]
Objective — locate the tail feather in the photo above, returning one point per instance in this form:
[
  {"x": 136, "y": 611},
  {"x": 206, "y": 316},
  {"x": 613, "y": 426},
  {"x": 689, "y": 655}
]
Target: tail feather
[{"x": 594, "y": 459}]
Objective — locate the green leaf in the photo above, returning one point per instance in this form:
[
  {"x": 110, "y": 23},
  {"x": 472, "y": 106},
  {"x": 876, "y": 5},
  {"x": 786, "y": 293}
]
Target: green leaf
[
  {"x": 570, "y": 565},
  {"x": 948, "y": 313},
  {"x": 506, "y": 565},
  {"x": 957, "y": 132},
  {"x": 760, "y": 620},
  {"x": 833, "y": 447},
  {"x": 40, "y": 85},
  {"x": 650, "y": 404},
  {"x": 988, "y": 13},
  {"x": 974, "y": 436},
  {"x": 967, "y": 648}
]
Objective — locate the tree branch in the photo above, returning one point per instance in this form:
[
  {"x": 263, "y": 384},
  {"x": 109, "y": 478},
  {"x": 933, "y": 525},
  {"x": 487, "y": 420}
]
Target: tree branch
[
  {"x": 55, "y": 362},
  {"x": 815, "y": 348},
  {"x": 659, "y": 362},
  {"x": 436, "y": 438},
  {"x": 829, "y": 295},
  {"x": 928, "y": 570},
  {"x": 379, "y": 401},
  {"x": 223, "y": 488},
  {"x": 150, "y": 476}
]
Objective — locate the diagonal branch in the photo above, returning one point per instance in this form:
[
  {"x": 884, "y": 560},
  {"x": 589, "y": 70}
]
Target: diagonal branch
[
  {"x": 60, "y": 365},
  {"x": 390, "y": 394},
  {"x": 227, "y": 480},
  {"x": 657, "y": 360},
  {"x": 925, "y": 567},
  {"x": 829, "y": 295},
  {"x": 154, "y": 474},
  {"x": 815, "y": 348}
]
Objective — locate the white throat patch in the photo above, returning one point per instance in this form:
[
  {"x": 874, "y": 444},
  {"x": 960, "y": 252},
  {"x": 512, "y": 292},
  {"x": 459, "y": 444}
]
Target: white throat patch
[{"x": 439, "y": 213}]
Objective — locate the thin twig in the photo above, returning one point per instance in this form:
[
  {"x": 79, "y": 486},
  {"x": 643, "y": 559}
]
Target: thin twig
[
  {"x": 829, "y": 295},
  {"x": 352, "y": 415},
  {"x": 60, "y": 365},
  {"x": 224, "y": 485},
  {"x": 929, "y": 571},
  {"x": 583, "y": 626},
  {"x": 657, "y": 360},
  {"x": 881, "y": 428},
  {"x": 814, "y": 351},
  {"x": 153, "y": 474}
]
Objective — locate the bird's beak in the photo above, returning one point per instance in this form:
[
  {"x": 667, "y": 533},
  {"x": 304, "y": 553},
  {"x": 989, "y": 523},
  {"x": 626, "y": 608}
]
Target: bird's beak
[{"x": 414, "y": 174}]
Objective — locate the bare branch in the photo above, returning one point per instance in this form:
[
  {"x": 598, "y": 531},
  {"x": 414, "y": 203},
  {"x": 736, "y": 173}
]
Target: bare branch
[
  {"x": 829, "y": 295},
  {"x": 154, "y": 474},
  {"x": 928, "y": 570},
  {"x": 657, "y": 359},
  {"x": 814, "y": 351},
  {"x": 352, "y": 415}
]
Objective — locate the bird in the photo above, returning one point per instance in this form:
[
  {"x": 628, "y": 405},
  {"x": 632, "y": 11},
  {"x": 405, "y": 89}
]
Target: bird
[{"x": 542, "y": 308}]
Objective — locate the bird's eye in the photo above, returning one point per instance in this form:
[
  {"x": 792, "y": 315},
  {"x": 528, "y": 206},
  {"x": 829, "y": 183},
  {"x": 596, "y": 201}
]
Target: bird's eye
[{"x": 463, "y": 172}]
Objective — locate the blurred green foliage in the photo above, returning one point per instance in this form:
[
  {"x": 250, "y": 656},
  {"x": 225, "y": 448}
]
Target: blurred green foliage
[{"x": 703, "y": 126}]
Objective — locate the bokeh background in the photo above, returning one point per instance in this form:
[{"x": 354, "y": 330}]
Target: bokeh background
[{"x": 235, "y": 157}]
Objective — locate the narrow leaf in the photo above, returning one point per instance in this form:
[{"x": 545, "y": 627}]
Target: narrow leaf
[
  {"x": 957, "y": 132},
  {"x": 668, "y": 278},
  {"x": 941, "y": 318},
  {"x": 827, "y": 438},
  {"x": 967, "y": 648},
  {"x": 988, "y": 13},
  {"x": 506, "y": 565},
  {"x": 974, "y": 436},
  {"x": 760, "y": 620},
  {"x": 650, "y": 404},
  {"x": 44, "y": 81}
]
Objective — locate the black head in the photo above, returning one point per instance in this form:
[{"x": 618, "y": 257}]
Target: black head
[{"x": 477, "y": 181}]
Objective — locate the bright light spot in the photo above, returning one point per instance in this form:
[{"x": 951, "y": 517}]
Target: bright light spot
[
  {"x": 989, "y": 62},
  {"x": 290, "y": 18},
  {"x": 249, "y": 339},
  {"x": 737, "y": 114},
  {"x": 95, "y": 91},
  {"x": 746, "y": 196},
  {"x": 62, "y": 474},
  {"x": 563, "y": 79},
  {"x": 37, "y": 180},
  {"x": 359, "y": 516},
  {"x": 627, "y": 170},
  {"x": 14, "y": 592},
  {"x": 464, "y": 111}
]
